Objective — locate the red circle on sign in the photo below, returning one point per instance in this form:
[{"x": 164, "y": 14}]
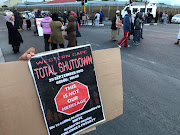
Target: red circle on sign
[{"x": 71, "y": 98}]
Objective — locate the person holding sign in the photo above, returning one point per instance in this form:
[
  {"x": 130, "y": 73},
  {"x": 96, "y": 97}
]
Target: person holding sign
[{"x": 116, "y": 25}]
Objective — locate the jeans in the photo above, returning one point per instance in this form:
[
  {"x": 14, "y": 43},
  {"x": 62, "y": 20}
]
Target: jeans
[
  {"x": 86, "y": 22},
  {"x": 97, "y": 22}
]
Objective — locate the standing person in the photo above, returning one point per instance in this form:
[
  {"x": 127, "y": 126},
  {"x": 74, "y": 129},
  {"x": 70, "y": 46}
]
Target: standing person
[
  {"x": 20, "y": 20},
  {"x": 160, "y": 17},
  {"x": 37, "y": 15},
  {"x": 115, "y": 28},
  {"x": 170, "y": 18},
  {"x": 78, "y": 34},
  {"x": 28, "y": 21},
  {"x": 87, "y": 18},
  {"x": 127, "y": 29},
  {"x": 14, "y": 36},
  {"x": 56, "y": 32},
  {"x": 101, "y": 17},
  {"x": 165, "y": 18},
  {"x": 133, "y": 16},
  {"x": 97, "y": 16},
  {"x": 137, "y": 25},
  {"x": 45, "y": 24},
  {"x": 64, "y": 17},
  {"x": 16, "y": 18},
  {"x": 142, "y": 26},
  {"x": 92, "y": 18},
  {"x": 157, "y": 16},
  {"x": 78, "y": 18},
  {"x": 71, "y": 31}
]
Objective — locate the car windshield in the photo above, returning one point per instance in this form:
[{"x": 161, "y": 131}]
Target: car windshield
[{"x": 177, "y": 16}]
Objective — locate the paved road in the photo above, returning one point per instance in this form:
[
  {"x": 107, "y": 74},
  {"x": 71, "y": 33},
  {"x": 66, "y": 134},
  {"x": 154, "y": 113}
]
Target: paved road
[{"x": 151, "y": 77}]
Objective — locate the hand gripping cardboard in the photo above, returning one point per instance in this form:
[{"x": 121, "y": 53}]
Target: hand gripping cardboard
[{"x": 20, "y": 112}]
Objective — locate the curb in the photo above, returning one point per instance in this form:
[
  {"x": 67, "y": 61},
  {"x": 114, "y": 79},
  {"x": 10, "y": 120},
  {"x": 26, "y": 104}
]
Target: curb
[
  {"x": 1, "y": 57},
  {"x": 151, "y": 24}
]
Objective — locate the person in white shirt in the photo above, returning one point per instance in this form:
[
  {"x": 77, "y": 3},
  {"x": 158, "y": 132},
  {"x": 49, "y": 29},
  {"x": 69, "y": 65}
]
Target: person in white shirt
[
  {"x": 97, "y": 16},
  {"x": 28, "y": 21}
]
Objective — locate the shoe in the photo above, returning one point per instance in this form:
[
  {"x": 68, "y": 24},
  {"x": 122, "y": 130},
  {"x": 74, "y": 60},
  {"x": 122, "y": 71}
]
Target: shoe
[
  {"x": 176, "y": 43},
  {"x": 136, "y": 43},
  {"x": 119, "y": 46},
  {"x": 127, "y": 46},
  {"x": 142, "y": 37}
]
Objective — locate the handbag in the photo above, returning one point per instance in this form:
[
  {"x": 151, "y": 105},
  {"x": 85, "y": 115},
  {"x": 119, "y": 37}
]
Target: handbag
[{"x": 50, "y": 38}]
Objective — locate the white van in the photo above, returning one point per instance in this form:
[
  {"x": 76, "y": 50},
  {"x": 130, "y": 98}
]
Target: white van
[{"x": 151, "y": 7}]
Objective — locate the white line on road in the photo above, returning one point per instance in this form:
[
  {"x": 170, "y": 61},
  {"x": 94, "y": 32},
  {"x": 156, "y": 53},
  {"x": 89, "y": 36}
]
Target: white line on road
[
  {"x": 141, "y": 59},
  {"x": 3, "y": 30}
]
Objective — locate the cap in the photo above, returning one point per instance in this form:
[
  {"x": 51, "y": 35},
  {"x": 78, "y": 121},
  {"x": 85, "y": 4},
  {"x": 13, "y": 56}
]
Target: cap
[{"x": 117, "y": 11}]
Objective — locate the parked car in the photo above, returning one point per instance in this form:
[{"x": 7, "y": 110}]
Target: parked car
[
  {"x": 6, "y": 12},
  {"x": 176, "y": 18}
]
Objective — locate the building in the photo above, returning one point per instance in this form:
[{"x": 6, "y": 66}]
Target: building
[{"x": 11, "y": 3}]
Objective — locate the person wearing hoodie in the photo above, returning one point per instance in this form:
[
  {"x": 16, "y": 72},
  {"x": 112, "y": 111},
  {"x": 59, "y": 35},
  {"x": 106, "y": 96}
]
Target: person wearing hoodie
[
  {"x": 45, "y": 24},
  {"x": 14, "y": 36},
  {"x": 56, "y": 32},
  {"x": 71, "y": 31},
  {"x": 127, "y": 29},
  {"x": 137, "y": 25}
]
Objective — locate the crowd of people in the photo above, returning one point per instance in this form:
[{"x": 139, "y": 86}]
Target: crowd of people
[
  {"x": 132, "y": 24},
  {"x": 54, "y": 24}
]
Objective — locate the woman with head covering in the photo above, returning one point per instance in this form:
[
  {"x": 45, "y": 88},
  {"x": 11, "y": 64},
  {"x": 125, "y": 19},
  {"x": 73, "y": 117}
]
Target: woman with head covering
[
  {"x": 15, "y": 38},
  {"x": 56, "y": 32},
  {"x": 71, "y": 31},
  {"x": 45, "y": 24},
  {"x": 78, "y": 34}
]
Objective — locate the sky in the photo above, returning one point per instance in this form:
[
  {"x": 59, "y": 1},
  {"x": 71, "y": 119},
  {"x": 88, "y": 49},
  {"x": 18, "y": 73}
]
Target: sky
[{"x": 175, "y": 2}]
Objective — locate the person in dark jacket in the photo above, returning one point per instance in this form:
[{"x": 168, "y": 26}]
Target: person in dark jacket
[
  {"x": 157, "y": 16},
  {"x": 20, "y": 20},
  {"x": 170, "y": 18},
  {"x": 14, "y": 36},
  {"x": 37, "y": 15},
  {"x": 71, "y": 31},
  {"x": 127, "y": 29},
  {"x": 101, "y": 17},
  {"x": 114, "y": 28},
  {"x": 64, "y": 17},
  {"x": 16, "y": 17}
]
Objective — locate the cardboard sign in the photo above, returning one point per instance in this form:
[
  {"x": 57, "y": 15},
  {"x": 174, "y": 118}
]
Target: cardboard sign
[
  {"x": 39, "y": 28},
  {"x": 118, "y": 23},
  {"x": 66, "y": 84},
  {"x": 84, "y": 18},
  {"x": 21, "y": 113}
]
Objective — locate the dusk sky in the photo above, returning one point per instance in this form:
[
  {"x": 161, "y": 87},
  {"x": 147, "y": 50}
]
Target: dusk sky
[{"x": 175, "y": 2}]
